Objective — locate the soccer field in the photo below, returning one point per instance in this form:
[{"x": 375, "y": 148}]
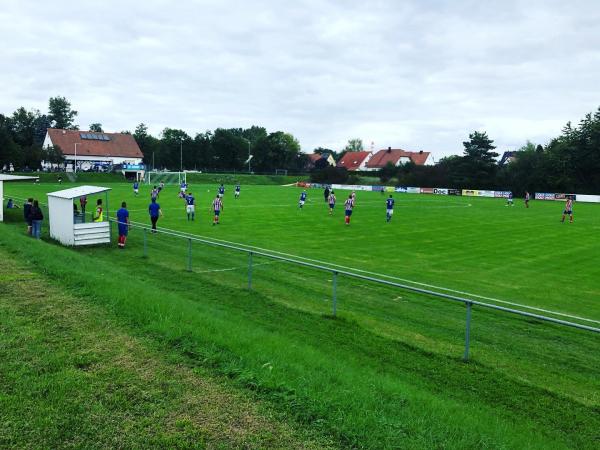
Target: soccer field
[{"x": 472, "y": 247}]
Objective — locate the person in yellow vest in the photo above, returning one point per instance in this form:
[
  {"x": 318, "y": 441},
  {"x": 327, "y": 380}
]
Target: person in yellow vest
[{"x": 98, "y": 213}]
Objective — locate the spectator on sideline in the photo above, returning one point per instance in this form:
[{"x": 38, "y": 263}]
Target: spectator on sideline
[
  {"x": 27, "y": 213},
  {"x": 123, "y": 220},
  {"x": 37, "y": 217},
  {"x": 83, "y": 203},
  {"x": 326, "y": 193},
  {"x": 155, "y": 213},
  {"x": 99, "y": 213},
  {"x": 11, "y": 205}
]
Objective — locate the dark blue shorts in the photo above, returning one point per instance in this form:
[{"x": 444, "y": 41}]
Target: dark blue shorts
[
  {"x": 569, "y": 212},
  {"x": 348, "y": 212},
  {"x": 217, "y": 213},
  {"x": 332, "y": 205},
  {"x": 123, "y": 229}
]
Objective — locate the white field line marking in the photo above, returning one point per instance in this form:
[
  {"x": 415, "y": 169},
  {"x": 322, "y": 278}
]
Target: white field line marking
[
  {"x": 229, "y": 269},
  {"x": 390, "y": 277}
]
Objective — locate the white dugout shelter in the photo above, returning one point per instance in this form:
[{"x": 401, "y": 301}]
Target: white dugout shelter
[
  {"x": 6, "y": 178},
  {"x": 68, "y": 231}
]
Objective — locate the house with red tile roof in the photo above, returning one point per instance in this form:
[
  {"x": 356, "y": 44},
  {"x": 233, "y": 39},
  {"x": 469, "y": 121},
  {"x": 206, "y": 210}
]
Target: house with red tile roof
[
  {"x": 353, "y": 161},
  {"x": 314, "y": 157},
  {"x": 88, "y": 150},
  {"x": 398, "y": 157}
]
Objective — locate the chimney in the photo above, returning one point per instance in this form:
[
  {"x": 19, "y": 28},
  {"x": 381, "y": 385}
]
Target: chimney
[
  {"x": 389, "y": 150},
  {"x": 420, "y": 152}
]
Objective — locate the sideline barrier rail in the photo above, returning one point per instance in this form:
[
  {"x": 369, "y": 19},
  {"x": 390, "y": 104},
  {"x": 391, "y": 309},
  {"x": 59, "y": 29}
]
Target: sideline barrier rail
[{"x": 335, "y": 272}]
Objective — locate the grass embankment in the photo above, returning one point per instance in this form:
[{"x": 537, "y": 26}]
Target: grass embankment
[
  {"x": 336, "y": 377},
  {"x": 72, "y": 376}
]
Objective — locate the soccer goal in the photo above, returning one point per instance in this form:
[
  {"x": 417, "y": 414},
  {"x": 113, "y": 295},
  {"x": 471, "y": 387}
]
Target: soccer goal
[
  {"x": 280, "y": 171},
  {"x": 165, "y": 177}
]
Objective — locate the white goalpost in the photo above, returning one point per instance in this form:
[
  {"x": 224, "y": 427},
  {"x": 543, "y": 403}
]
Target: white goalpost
[{"x": 165, "y": 177}]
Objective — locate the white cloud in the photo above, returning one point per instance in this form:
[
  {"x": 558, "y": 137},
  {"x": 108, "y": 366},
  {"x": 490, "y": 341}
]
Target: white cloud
[{"x": 416, "y": 74}]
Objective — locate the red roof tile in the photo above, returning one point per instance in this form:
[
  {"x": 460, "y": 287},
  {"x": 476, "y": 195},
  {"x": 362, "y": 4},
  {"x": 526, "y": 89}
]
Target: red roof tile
[
  {"x": 353, "y": 160},
  {"x": 120, "y": 144},
  {"x": 382, "y": 157}
]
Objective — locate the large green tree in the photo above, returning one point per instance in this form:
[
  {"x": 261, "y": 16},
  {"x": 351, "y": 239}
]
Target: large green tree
[
  {"x": 354, "y": 145},
  {"x": 61, "y": 114},
  {"x": 96, "y": 127}
]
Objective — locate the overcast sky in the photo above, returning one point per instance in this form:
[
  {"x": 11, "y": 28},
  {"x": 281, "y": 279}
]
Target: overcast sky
[{"x": 418, "y": 75}]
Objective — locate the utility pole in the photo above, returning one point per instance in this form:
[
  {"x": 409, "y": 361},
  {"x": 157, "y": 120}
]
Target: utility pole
[{"x": 75, "y": 165}]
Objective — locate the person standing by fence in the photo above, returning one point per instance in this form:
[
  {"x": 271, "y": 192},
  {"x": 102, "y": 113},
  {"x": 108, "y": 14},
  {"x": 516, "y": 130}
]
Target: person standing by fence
[
  {"x": 37, "y": 217},
  {"x": 155, "y": 213},
  {"x": 27, "y": 214},
  {"x": 123, "y": 221}
]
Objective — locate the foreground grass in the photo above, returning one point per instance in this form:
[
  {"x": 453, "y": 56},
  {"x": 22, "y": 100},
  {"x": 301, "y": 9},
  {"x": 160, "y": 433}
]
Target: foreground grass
[
  {"x": 336, "y": 377},
  {"x": 71, "y": 377}
]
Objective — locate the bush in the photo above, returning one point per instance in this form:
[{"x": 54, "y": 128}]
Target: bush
[{"x": 330, "y": 174}]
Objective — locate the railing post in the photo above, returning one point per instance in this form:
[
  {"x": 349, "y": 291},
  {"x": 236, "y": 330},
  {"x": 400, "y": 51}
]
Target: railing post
[
  {"x": 145, "y": 243},
  {"x": 334, "y": 292},
  {"x": 189, "y": 268},
  {"x": 250, "y": 271},
  {"x": 469, "y": 305}
]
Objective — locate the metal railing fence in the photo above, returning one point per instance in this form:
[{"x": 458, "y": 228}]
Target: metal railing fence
[{"x": 335, "y": 272}]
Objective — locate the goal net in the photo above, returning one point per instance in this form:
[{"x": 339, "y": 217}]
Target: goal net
[
  {"x": 281, "y": 171},
  {"x": 165, "y": 177}
]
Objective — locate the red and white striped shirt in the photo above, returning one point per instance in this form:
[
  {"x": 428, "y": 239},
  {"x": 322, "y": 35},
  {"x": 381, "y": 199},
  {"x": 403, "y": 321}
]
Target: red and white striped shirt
[
  {"x": 217, "y": 204},
  {"x": 349, "y": 204},
  {"x": 569, "y": 205},
  {"x": 331, "y": 199}
]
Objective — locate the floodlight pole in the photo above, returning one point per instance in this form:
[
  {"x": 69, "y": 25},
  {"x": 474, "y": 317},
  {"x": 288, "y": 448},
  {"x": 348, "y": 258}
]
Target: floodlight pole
[
  {"x": 248, "y": 141},
  {"x": 75, "y": 164},
  {"x": 181, "y": 155}
]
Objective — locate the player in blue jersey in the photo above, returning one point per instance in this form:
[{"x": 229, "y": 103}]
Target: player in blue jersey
[
  {"x": 509, "y": 200},
  {"x": 136, "y": 188},
  {"x": 237, "y": 191},
  {"x": 155, "y": 212},
  {"x": 331, "y": 201},
  {"x": 302, "y": 199},
  {"x": 123, "y": 221},
  {"x": 221, "y": 191},
  {"x": 389, "y": 207},
  {"x": 183, "y": 186},
  {"x": 190, "y": 206}
]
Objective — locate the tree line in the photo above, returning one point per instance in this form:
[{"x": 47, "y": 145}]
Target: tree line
[
  {"x": 568, "y": 163},
  {"x": 22, "y": 135}
]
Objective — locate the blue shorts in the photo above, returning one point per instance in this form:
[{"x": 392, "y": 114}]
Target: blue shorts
[
  {"x": 217, "y": 213},
  {"x": 332, "y": 205},
  {"x": 348, "y": 212},
  {"x": 123, "y": 229},
  {"x": 569, "y": 212}
]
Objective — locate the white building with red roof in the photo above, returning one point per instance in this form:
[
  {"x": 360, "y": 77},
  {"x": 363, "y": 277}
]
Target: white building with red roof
[
  {"x": 89, "y": 150},
  {"x": 398, "y": 157},
  {"x": 353, "y": 161}
]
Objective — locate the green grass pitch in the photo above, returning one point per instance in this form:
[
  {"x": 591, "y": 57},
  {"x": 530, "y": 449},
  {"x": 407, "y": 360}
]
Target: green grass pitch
[{"x": 387, "y": 371}]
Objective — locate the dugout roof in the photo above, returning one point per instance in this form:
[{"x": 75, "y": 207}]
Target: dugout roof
[{"x": 78, "y": 191}]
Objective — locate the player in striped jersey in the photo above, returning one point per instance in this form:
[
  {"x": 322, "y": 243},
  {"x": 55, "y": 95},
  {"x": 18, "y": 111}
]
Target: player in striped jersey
[
  {"x": 527, "y": 197},
  {"x": 348, "y": 205},
  {"x": 331, "y": 201},
  {"x": 217, "y": 206},
  {"x": 568, "y": 211}
]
